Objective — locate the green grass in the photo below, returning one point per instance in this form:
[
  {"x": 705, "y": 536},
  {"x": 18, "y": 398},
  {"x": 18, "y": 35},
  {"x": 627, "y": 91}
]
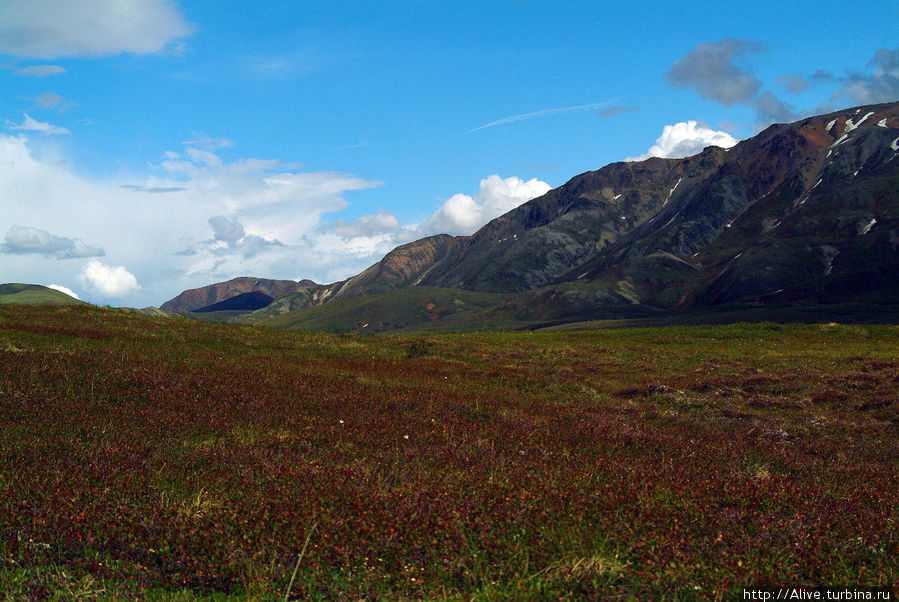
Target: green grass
[{"x": 146, "y": 458}]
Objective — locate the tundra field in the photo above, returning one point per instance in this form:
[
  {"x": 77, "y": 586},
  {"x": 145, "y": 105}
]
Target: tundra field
[{"x": 145, "y": 458}]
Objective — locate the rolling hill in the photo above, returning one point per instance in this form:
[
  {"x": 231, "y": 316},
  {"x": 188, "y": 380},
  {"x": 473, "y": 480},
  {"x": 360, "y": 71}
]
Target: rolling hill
[{"x": 35, "y": 294}]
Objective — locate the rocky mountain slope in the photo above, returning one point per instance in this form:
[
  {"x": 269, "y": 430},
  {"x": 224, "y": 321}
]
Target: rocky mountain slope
[
  {"x": 806, "y": 212},
  {"x": 198, "y": 298}
]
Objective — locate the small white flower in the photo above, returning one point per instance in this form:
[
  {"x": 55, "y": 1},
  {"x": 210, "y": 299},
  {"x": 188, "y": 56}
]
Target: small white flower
[
  {"x": 340, "y": 421},
  {"x": 405, "y": 436}
]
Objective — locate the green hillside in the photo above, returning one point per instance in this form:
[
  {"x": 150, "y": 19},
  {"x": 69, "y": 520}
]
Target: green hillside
[
  {"x": 402, "y": 309},
  {"x": 35, "y": 294}
]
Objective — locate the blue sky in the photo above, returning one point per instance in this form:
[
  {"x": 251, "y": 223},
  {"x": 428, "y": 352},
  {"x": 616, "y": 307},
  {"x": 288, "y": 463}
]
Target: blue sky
[{"x": 149, "y": 146}]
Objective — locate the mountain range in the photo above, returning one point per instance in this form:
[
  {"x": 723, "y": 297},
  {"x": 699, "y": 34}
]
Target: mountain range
[{"x": 800, "y": 220}]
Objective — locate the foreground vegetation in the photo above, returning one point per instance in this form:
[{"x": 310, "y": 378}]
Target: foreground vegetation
[{"x": 151, "y": 458}]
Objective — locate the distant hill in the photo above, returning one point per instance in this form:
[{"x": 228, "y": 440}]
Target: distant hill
[
  {"x": 149, "y": 311},
  {"x": 198, "y": 298},
  {"x": 802, "y": 214},
  {"x": 35, "y": 294}
]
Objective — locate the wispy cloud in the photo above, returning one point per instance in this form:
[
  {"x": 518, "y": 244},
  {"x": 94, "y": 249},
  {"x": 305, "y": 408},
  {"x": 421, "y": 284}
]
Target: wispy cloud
[
  {"x": 40, "y": 71},
  {"x": 612, "y": 111},
  {"x": 153, "y": 189},
  {"x": 544, "y": 113},
  {"x": 50, "y": 100},
  {"x": 33, "y": 125},
  {"x": 207, "y": 142}
]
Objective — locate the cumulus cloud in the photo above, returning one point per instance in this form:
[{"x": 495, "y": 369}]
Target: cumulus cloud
[
  {"x": 110, "y": 281},
  {"x": 684, "y": 139},
  {"x": 711, "y": 70},
  {"x": 33, "y": 125},
  {"x": 462, "y": 214},
  {"x": 40, "y": 71},
  {"x": 48, "y": 29},
  {"x": 63, "y": 289},
  {"x": 24, "y": 241}
]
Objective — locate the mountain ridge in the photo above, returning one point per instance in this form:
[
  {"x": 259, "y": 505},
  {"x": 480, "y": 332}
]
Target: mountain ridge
[{"x": 793, "y": 214}]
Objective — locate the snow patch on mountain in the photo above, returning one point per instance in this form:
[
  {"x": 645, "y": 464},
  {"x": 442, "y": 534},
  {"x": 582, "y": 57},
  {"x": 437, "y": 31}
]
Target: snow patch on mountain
[
  {"x": 670, "y": 192},
  {"x": 867, "y": 227},
  {"x": 851, "y": 126}
]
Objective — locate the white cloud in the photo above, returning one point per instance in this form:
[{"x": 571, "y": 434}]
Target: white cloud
[
  {"x": 684, "y": 139},
  {"x": 63, "y": 289},
  {"x": 383, "y": 222},
  {"x": 459, "y": 214},
  {"x": 206, "y": 142},
  {"x": 50, "y": 29},
  {"x": 40, "y": 71},
  {"x": 229, "y": 236},
  {"x": 166, "y": 239},
  {"x": 33, "y": 125},
  {"x": 372, "y": 236},
  {"x": 369, "y": 236},
  {"x": 207, "y": 220},
  {"x": 463, "y": 214},
  {"x": 110, "y": 281}
]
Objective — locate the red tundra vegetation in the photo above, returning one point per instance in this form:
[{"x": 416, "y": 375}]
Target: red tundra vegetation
[{"x": 145, "y": 457}]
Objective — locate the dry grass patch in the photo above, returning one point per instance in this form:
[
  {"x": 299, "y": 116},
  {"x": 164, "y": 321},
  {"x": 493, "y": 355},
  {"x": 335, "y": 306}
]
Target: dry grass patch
[{"x": 587, "y": 567}]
